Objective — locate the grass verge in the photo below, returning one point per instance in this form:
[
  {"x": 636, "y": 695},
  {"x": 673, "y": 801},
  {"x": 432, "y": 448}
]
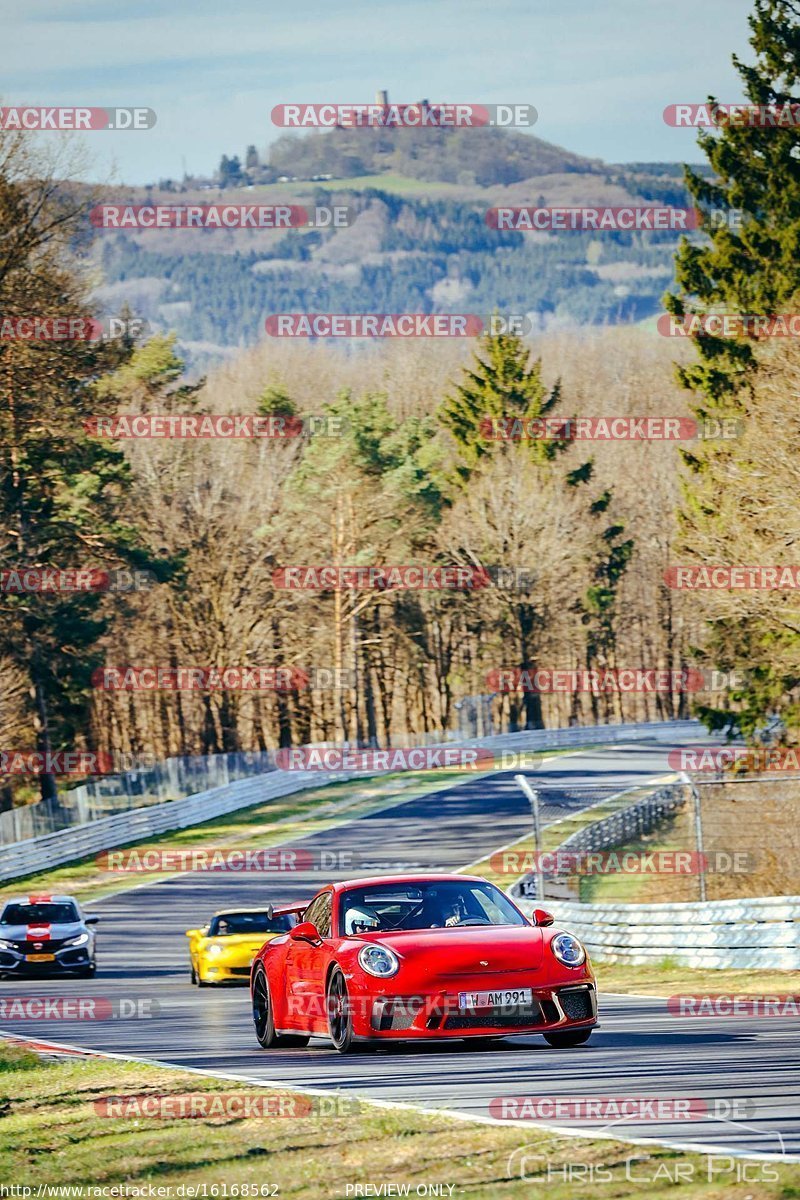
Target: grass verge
[{"x": 53, "y": 1133}]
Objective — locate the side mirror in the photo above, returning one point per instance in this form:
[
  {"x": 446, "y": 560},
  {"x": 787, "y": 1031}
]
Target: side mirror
[
  {"x": 306, "y": 931},
  {"x": 192, "y": 932},
  {"x": 541, "y": 917},
  {"x": 91, "y": 920}
]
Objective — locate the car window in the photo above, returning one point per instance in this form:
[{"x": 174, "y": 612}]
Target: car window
[
  {"x": 424, "y": 904},
  {"x": 229, "y": 923},
  {"x": 39, "y": 914},
  {"x": 319, "y": 913}
]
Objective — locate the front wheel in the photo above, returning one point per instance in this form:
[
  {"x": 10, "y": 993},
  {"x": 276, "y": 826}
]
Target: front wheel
[
  {"x": 340, "y": 1016},
  {"x": 263, "y": 1019},
  {"x": 563, "y": 1039}
]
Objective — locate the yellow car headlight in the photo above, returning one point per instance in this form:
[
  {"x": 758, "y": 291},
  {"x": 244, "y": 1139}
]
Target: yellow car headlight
[{"x": 214, "y": 949}]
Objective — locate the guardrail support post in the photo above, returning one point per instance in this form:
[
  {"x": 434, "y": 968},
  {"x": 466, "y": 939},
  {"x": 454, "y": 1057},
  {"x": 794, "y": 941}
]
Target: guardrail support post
[
  {"x": 533, "y": 796},
  {"x": 698, "y": 838}
]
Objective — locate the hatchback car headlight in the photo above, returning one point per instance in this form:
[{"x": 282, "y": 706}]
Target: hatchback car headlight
[
  {"x": 80, "y": 940},
  {"x": 568, "y": 950},
  {"x": 7, "y": 945},
  {"x": 377, "y": 960}
]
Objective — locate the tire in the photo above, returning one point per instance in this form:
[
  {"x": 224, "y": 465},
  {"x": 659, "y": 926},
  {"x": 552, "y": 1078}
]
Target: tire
[
  {"x": 564, "y": 1039},
  {"x": 194, "y": 976},
  {"x": 340, "y": 1016},
  {"x": 87, "y": 972},
  {"x": 263, "y": 1020}
]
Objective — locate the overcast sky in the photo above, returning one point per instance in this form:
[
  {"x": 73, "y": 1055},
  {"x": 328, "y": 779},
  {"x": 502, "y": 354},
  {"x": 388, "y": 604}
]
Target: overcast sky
[{"x": 600, "y": 72}]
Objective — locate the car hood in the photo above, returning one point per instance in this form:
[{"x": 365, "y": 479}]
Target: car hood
[
  {"x": 464, "y": 951},
  {"x": 41, "y": 932}
]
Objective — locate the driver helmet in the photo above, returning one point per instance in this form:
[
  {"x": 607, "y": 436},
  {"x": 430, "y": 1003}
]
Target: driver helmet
[
  {"x": 454, "y": 911},
  {"x": 360, "y": 919}
]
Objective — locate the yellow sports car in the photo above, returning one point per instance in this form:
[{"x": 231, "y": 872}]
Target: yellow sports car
[{"x": 222, "y": 951}]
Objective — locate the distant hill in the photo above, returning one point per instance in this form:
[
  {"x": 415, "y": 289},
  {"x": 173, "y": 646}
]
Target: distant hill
[
  {"x": 469, "y": 157},
  {"x": 420, "y": 241}
]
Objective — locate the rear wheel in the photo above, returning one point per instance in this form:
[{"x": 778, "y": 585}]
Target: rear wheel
[
  {"x": 340, "y": 1015},
  {"x": 263, "y": 1019},
  {"x": 563, "y": 1039}
]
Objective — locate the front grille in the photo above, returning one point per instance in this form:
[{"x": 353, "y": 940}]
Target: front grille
[
  {"x": 239, "y": 970},
  {"x": 577, "y": 1004},
  {"x": 495, "y": 1018},
  {"x": 42, "y": 946}
]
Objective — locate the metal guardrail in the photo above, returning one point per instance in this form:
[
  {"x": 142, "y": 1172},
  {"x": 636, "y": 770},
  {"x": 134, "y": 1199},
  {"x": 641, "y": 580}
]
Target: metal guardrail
[
  {"x": 758, "y": 933},
  {"x": 49, "y": 850}
]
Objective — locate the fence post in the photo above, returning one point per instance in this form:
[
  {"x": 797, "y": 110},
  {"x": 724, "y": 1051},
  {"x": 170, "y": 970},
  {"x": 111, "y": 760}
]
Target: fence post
[
  {"x": 698, "y": 837},
  {"x": 533, "y": 796}
]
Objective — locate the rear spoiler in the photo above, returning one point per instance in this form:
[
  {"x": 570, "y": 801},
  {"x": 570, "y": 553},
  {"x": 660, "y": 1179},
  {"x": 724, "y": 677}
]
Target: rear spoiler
[{"x": 282, "y": 910}]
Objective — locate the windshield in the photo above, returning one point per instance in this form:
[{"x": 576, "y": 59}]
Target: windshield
[
  {"x": 250, "y": 922},
  {"x": 423, "y": 905},
  {"x": 39, "y": 914}
]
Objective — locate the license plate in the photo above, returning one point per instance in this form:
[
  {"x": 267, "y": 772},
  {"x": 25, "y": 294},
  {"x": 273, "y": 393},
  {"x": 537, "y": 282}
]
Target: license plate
[
  {"x": 503, "y": 998},
  {"x": 40, "y": 958}
]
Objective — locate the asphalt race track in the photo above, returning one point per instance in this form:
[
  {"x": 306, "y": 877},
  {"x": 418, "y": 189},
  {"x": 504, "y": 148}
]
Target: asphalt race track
[{"x": 640, "y": 1050}]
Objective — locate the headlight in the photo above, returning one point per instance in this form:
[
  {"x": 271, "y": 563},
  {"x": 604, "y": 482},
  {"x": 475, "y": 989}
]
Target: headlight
[
  {"x": 214, "y": 949},
  {"x": 377, "y": 960},
  {"x": 568, "y": 950},
  {"x": 80, "y": 940},
  {"x": 7, "y": 945}
]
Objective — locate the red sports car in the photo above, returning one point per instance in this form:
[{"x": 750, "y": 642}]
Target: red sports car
[{"x": 420, "y": 957}]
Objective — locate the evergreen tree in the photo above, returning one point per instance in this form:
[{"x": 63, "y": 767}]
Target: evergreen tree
[
  {"x": 503, "y": 382},
  {"x": 748, "y": 266},
  {"x": 750, "y": 261}
]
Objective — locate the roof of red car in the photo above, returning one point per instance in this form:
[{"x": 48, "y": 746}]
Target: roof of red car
[{"x": 406, "y": 877}]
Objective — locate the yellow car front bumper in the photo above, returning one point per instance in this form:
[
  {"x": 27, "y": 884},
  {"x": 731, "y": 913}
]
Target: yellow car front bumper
[{"x": 228, "y": 964}]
